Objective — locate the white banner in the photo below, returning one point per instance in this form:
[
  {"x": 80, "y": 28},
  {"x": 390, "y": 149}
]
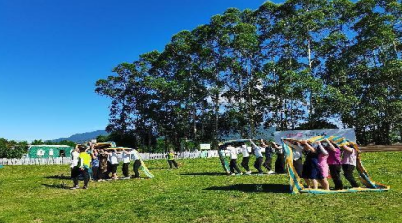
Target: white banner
[
  {"x": 306, "y": 134},
  {"x": 205, "y": 146}
]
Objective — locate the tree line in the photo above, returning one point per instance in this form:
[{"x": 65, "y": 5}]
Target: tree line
[
  {"x": 13, "y": 149},
  {"x": 303, "y": 64}
]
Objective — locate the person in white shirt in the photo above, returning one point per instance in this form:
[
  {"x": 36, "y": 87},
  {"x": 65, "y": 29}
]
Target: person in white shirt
[
  {"x": 113, "y": 163},
  {"x": 74, "y": 157},
  {"x": 258, "y": 156},
  {"x": 246, "y": 159},
  {"x": 233, "y": 160},
  {"x": 126, "y": 155},
  {"x": 297, "y": 150},
  {"x": 75, "y": 169}
]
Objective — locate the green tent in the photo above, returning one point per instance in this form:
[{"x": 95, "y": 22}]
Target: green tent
[{"x": 46, "y": 151}]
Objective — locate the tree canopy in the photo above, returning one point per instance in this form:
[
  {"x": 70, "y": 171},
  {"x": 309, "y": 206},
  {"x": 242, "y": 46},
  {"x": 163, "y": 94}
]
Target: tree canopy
[{"x": 300, "y": 64}]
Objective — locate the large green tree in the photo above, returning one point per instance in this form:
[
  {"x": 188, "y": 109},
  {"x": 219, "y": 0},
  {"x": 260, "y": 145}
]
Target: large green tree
[{"x": 300, "y": 64}]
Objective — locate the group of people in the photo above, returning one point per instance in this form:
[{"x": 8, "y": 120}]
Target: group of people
[
  {"x": 268, "y": 148},
  {"x": 323, "y": 159},
  {"x": 101, "y": 164}
]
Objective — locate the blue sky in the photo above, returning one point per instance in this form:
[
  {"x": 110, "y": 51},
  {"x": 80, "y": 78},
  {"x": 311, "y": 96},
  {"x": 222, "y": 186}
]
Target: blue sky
[{"x": 53, "y": 51}]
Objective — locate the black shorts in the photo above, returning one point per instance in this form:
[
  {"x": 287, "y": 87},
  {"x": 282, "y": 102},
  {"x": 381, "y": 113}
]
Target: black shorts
[
  {"x": 75, "y": 172},
  {"x": 114, "y": 168}
]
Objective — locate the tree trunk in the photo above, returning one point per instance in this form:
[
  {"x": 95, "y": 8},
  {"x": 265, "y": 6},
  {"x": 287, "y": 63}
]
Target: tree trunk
[
  {"x": 216, "y": 136},
  {"x": 250, "y": 100}
]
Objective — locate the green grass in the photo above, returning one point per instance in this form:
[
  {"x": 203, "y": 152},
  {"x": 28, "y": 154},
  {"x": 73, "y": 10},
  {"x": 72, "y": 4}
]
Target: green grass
[{"x": 197, "y": 192}]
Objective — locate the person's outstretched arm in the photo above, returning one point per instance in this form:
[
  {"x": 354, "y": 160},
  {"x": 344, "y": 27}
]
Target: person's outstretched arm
[
  {"x": 308, "y": 146},
  {"x": 252, "y": 143},
  {"x": 321, "y": 148},
  {"x": 347, "y": 148},
  {"x": 330, "y": 145}
]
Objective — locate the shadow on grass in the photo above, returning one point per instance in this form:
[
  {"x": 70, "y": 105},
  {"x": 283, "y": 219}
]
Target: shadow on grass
[
  {"x": 61, "y": 177},
  {"x": 158, "y": 168},
  {"x": 252, "y": 188},
  {"x": 57, "y": 186},
  {"x": 204, "y": 174}
]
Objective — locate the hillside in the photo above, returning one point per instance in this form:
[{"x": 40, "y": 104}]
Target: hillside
[{"x": 82, "y": 137}]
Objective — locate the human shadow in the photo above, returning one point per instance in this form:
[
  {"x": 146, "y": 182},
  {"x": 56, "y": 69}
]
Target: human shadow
[
  {"x": 57, "y": 186},
  {"x": 204, "y": 174},
  {"x": 60, "y": 177},
  {"x": 252, "y": 188},
  {"x": 158, "y": 168}
]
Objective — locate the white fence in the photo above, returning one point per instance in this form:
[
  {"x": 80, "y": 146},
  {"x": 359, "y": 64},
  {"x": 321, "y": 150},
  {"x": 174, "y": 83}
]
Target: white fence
[{"x": 67, "y": 160}]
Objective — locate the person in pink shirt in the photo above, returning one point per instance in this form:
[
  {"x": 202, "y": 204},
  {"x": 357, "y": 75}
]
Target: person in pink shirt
[
  {"x": 334, "y": 163},
  {"x": 349, "y": 164},
  {"x": 323, "y": 165}
]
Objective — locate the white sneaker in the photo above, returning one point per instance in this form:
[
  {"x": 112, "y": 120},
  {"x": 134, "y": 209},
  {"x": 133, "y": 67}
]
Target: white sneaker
[
  {"x": 248, "y": 173},
  {"x": 232, "y": 174},
  {"x": 271, "y": 172}
]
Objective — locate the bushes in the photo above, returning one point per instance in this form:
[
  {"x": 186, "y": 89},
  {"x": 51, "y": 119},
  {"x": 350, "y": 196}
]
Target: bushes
[{"x": 12, "y": 149}]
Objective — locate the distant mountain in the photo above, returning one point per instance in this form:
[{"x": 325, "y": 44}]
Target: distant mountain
[{"x": 83, "y": 137}]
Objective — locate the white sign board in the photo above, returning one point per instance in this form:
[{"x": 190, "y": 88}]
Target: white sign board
[
  {"x": 261, "y": 133},
  {"x": 306, "y": 134},
  {"x": 205, "y": 146}
]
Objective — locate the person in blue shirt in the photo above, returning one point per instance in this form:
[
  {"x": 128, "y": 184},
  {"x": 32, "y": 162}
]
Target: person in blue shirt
[{"x": 95, "y": 165}]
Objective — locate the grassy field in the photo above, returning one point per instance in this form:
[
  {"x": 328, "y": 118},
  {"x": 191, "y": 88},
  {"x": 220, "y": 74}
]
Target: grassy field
[{"x": 197, "y": 192}]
